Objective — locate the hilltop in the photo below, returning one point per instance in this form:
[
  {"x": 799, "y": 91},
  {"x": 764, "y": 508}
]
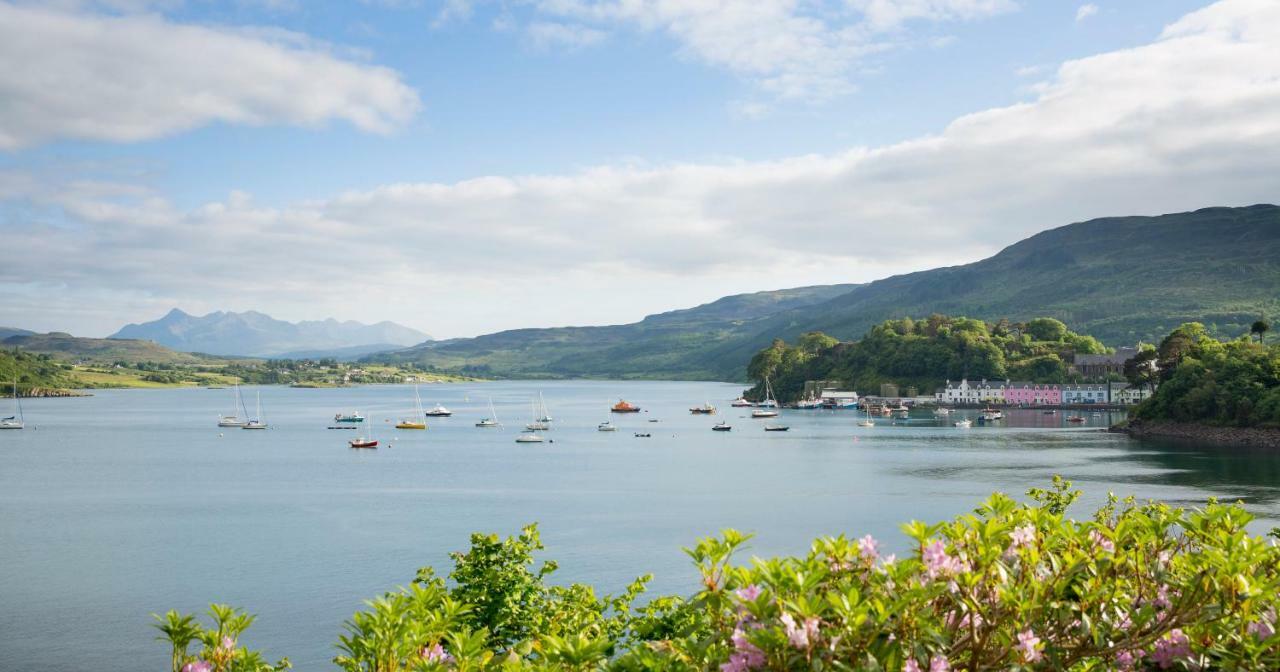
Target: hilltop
[
  {"x": 1120, "y": 279},
  {"x": 66, "y": 347},
  {"x": 669, "y": 345},
  {"x": 258, "y": 335}
]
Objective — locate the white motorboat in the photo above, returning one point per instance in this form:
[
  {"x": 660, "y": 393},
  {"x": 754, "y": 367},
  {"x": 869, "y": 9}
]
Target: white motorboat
[
  {"x": 963, "y": 424},
  {"x": 439, "y": 411},
  {"x": 606, "y": 426},
  {"x": 529, "y": 438}
]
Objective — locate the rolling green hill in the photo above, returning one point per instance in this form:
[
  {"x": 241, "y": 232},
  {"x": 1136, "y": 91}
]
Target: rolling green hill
[
  {"x": 1120, "y": 279},
  {"x": 100, "y": 350},
  {"x": 668, "y": 345},
  {"x": 32, "y": 372}
]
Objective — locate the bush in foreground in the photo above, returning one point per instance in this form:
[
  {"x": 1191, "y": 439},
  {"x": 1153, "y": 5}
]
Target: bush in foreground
[{"x": 1009, "y": 587}]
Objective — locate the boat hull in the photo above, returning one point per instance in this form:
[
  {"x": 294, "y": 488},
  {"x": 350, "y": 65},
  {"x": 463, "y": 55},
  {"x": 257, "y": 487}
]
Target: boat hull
[
  {"x": 411, "y": 425},
  {"x": 356, "y": 443}
]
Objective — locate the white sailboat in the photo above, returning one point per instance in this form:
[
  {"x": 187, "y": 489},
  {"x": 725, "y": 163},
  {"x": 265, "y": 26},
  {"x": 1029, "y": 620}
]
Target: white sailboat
[
  {"x": 15, "y": 421},
  {"x": 539, "y": 423},
  {"x": 492, "y": 420},
  {"x": 768, "y": 406},
  {"x": 256, "y": 422},
  {"x": 237, "y": 405},
  {"x": 531, "y": 436},
  {"x": 606, "y": 426},
  {"x": 545, "y": 417},
  {"x": 866, "y": 421}
]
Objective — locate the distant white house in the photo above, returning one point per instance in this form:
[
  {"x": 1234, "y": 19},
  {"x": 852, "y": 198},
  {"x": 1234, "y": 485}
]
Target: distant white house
[{"x": 1128, "y": 395}]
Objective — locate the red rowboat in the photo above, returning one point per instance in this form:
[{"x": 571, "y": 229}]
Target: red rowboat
[{"x": 363, "y": 443}]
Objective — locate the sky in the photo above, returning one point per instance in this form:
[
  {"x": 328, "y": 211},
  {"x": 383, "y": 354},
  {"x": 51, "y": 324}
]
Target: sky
[{"x": 467, "y": 166}]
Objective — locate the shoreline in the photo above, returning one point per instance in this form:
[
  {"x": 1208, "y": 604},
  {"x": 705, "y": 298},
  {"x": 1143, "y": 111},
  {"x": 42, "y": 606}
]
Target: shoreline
[{"x": 1258, "y": 437}]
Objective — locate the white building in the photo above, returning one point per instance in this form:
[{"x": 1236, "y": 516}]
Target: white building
[
  {"x": 1086, "y": 394},
  {"x": 963, "y": 392}
]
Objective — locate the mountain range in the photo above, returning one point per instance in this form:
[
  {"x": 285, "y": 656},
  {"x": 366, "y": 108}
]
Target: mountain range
[
  {"x": 257, "y": 335},
  {"x": 1120, "y": 279}
]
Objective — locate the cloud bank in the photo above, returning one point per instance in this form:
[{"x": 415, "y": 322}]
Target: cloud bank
[
  {"x": 75, "y": 75},
  {"x": 1190, "y": 120}
]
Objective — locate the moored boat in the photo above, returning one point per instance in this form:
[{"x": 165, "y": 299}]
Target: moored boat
[
  {"x": 363, "y": 443},
  {"x": 606, "y": 426},
  {"x": 764, "y": 413},
  {"x": 624, "y": 406},
  {"x": 529, "y": 438},
  {"x": 15, "y": 421},
  {"x": 416, "y": 421},
  {"x": 776, "y": 428},
  {"x": 964, "y": 423},
  {"x": 438, "y": 411},
  {"x": 237, "y": 405},
  {"x": 705, "y": 409},
  {"x": 740, "y": 402},
  {"x": 257, "y": 421},
  {"x": 492, "y": 420},
  {"x": 353, "y": 416},
  {"x": 721, "y": 426}
]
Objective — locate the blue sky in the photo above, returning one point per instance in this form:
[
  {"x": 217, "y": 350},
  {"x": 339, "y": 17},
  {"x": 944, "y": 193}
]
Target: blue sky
[{"x": 477, "y": 156}]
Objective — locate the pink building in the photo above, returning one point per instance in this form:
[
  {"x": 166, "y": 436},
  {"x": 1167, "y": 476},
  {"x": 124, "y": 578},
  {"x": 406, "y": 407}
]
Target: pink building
[{"x": 1032, "y": 394}]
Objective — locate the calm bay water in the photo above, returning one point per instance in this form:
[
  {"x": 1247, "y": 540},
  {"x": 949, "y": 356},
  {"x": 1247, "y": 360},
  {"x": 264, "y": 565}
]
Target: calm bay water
[{"x": 131, "y": 502}]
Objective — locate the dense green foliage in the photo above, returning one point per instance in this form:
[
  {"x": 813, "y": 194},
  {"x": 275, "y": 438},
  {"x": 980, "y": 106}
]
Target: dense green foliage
[
  {"x": 924, "y": 354},
  {"x": 1009, "y": 587},
  {"x": 1203, "y": 380},
  {"x": 32, "y": 371},
  {"x": 1122, "y": 279}
]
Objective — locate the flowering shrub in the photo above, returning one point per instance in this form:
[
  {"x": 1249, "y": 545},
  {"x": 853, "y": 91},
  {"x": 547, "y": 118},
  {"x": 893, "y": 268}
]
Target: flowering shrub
[{"x": 1009, "y": 587}]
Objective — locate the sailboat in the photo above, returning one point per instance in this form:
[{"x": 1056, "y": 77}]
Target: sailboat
[
  {"x": 492, "y": 420},
  {"x": 416, "y": 422},
  {"x": 866, "y": 421},
  {"x": 237, "y": 404},
  {"x": 531, "y": 436},
  {"x": 365, "y": 442},
  {"x": 257, "y": 422},
  {"x": 538, "y": 423},
  {"x": 542, "y": 404},
  {"x": 606, "y": 426},
  {"x": 16, "y": 420},
  {"x": 769, "y": 405}
]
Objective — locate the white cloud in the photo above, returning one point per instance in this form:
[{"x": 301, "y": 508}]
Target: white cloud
[
  {"x": 1190, "y": 120},
  {"x": 1086, "y": 11},
  {"x": 547, "y": 34},
  {"x": 792, "y": 49},
  {"x": 138, "y": 77}
]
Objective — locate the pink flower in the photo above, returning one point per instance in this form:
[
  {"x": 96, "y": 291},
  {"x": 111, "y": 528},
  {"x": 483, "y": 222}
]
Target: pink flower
[
  {"x": 1162, "y": 599},
  {"x": 1100, "y": 542},
  {"x": 436, "y": 654},
  {"x": 1027, "y": 643},
  {"x": 1171, "y": 648},
  {"x": 911, "y": 666},
  {"x": 939, "y": 663},
  {"x": 939, "y": 563},
  {"x": 1265, "y": 626},
  {"x": 800, "y": 635},
  {"x": 227, "y": 644},
  {"x": 197, "y": 666},
  {"x": 1126, "y": 660},
  {"x": 748, "y": 593},
  {"x": 869, "y": 548},
  {"x": 746, "y": 656},
  {"x": 1024, "y": 536}
]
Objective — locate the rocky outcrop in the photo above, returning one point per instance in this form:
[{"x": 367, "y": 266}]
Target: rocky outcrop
[{"x": 1233, "y": 436}]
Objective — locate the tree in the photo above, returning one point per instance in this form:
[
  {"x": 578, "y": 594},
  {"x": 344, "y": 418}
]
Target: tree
[
  {"x": 1046, "y": 329},
  {"x": 1141, "y": 370},
  {"x": 1260, "y": 329}
]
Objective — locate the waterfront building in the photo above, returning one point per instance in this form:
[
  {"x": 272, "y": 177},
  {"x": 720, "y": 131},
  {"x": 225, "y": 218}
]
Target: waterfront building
[
  {"x": 960, "y": 393},
  {"x": 1128, "y": 395},
  {"x": 1088, "y": 393},
  {"x": 1017, "y": 393}
]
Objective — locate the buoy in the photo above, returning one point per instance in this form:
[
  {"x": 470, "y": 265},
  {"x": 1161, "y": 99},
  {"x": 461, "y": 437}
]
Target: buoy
[{"x": 219, "y": 435}]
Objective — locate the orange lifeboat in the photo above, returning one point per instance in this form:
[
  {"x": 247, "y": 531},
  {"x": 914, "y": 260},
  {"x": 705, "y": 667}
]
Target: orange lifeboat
[{"x": 624, "y": 407}]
